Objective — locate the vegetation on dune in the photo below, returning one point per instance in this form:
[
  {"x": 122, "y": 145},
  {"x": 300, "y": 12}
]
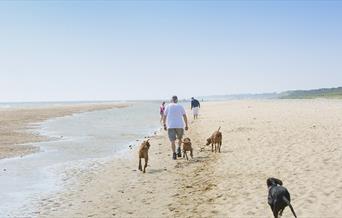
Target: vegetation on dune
[
  {"x": 315, "y": 93},
  {"x": 331, "y": 93}
]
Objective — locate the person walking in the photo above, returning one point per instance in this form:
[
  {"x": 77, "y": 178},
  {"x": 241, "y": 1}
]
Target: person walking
[
  {"x": 195, "y": 106},
  {"x": 161, "y": 111},
  {"x": 174, "y": 120}
]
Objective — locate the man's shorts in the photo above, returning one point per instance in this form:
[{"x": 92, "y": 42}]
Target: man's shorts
[
  {"x": 175, "y": 133},
  {"x": 195, "y": 110}
]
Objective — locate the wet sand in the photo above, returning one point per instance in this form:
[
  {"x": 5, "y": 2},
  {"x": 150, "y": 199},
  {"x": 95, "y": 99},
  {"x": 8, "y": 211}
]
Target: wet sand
[
  {"x": 298, "y": 141},
  {"x": 16, "y": 123}
]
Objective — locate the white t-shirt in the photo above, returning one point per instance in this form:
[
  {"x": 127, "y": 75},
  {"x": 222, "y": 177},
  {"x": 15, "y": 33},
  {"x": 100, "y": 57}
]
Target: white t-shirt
[{"x": 174, "y": 116}]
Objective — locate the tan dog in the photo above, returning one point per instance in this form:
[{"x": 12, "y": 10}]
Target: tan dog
[
  {"x": 215, "y": 140},
  {"x": 187, "y": 147},
  {"x": 143, "y": 153}
]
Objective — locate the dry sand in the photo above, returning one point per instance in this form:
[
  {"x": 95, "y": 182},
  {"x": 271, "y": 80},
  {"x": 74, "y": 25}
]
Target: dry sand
[
  {"x": 298, "y": 141},
  {"x": 16, "y": 123}
]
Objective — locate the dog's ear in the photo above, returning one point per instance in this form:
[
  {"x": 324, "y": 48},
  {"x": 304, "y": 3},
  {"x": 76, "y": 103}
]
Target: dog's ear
[
  {"x": 278, "y": 181},
  {"x": 273, "y": 181}
]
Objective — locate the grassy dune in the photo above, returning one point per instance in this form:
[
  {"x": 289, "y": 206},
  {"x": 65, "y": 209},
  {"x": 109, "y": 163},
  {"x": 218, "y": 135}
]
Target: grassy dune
[{"x": 316, "y": 93}]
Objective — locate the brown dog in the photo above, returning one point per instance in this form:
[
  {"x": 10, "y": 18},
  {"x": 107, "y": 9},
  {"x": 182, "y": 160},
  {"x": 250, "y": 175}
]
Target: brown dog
[
  {"x": 143, "y": 153},
  {"x": 187, "y": 147},
  {"x": 215, "y": 140}
]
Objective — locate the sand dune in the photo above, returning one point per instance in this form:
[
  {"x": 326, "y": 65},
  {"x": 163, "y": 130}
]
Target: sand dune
[{"x": 298, "y": 141}]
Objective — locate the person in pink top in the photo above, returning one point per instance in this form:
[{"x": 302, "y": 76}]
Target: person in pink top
[{"x": 162, "y": 109}]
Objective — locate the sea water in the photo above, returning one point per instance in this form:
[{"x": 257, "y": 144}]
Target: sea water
[{"x": 79, "y": 140}]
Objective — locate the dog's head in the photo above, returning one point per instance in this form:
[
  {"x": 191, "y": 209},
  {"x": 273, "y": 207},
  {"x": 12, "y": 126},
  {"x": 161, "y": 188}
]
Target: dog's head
[
  {"x": 273, "y": 182},
  {"x": 147, "y": 144},
  {"x": 187, "y": 141},
  {"x": 208, "y": 141},
  {"x": 219, "y": 134}
]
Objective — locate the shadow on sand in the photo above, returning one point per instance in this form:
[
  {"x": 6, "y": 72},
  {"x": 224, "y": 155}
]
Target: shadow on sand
[{"x": 153, "y": 171}]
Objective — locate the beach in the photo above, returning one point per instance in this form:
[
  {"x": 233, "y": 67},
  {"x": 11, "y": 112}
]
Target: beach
[
  {"x": 297, "y": 141},
  {"x": 84, "y": 85},
  {"x": 16, "y": 123}
]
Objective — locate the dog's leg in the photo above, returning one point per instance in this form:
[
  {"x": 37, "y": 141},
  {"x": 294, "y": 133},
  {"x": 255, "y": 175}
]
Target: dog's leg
[
  {"x": 212, "y": 147},
  {"x": 271, "y": 207},
  {"x": 215, "y": 147},
  {"x": 191, "y": 155},
  {"x": 275, "y": 214},
  {"x": 140, "y": 168},
  {"x": 289, "y": 204},
  {"x": 281, "y": 212},
  {"x": 146, "y": 160},
  {"x": 275, "y": 211},
  {"x": 220, "y": 143},
  {"x": 186, "y": 155}
]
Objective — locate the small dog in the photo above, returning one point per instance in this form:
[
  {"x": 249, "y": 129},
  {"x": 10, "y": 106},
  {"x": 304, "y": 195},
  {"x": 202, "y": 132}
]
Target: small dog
[
  {"x": 215, "y": 140},
  {"x": 187, "y": 147},
  {"x": 278, "y": 197},
  {"x": 143, "y": 153}
]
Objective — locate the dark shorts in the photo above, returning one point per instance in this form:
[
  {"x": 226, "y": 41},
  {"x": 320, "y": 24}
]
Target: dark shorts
[{"x": 175, "y": 133}]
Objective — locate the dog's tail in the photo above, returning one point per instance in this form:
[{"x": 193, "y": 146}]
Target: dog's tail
[
  {"x": 219, "y": 129},
  {"x": 288, "y": 203}
]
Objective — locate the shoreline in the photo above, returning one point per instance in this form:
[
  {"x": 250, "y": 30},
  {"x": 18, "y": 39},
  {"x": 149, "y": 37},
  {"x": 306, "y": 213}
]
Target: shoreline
[
  {"x": 260, "y": 140},
  {"x": 57, "y": 178},
  {"x": 17, "y": 135}
]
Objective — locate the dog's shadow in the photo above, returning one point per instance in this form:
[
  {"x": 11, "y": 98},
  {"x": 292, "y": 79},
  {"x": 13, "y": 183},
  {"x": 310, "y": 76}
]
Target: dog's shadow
[
  {"x": 227, "y": 151},
  {"x": 199, "y": 159},
  {"x": 194, "y": 160},
  {"x": 154, "y": 171}
]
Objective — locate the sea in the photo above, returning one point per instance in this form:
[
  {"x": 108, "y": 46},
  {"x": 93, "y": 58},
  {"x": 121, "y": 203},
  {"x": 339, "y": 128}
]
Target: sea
[{"x": 77, "y": 141}]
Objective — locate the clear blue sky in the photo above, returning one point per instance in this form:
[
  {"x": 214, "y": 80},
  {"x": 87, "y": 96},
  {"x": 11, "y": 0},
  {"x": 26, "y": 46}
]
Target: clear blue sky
[{"x": 104, "y": 50}]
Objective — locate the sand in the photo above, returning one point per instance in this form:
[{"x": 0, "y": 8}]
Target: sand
[
  {"x": 16, "y": 123},
  {"x": 298, "y": 141}
]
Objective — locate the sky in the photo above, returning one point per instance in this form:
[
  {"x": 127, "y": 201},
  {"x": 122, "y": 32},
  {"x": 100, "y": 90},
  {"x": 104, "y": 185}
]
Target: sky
[{"x": 128, "y": 50}]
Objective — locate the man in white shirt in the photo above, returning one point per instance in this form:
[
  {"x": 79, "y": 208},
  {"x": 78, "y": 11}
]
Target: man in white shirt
[{"x": 174, "y": 119}]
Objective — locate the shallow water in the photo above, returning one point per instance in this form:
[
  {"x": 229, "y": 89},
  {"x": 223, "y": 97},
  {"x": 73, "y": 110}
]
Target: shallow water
[{"x": 82, "y": 138}]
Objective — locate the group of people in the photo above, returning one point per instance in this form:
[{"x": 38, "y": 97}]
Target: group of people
[{"x": 175, "y": 121}]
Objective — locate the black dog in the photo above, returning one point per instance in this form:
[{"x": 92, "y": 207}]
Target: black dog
[{"x": 278, "y": 197}]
